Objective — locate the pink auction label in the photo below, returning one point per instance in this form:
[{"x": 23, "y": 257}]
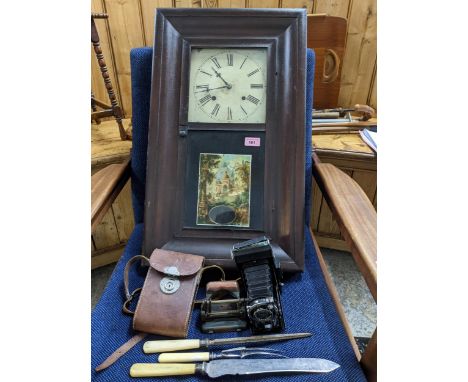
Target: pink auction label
[{"x": 249, "y": 141}]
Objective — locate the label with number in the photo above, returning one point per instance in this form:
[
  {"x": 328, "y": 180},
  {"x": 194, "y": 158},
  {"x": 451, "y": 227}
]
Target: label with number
[{"x": 250, "y": 141}]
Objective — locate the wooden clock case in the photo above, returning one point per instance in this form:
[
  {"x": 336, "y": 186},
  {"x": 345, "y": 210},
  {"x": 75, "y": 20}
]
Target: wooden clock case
[{"x": 283, "y": 33}]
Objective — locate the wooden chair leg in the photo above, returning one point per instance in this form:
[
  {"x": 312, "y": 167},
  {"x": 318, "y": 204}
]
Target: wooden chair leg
[
  {"x": 117, "y": 111},
  {"x": 369, "y": 359},
  {"x": 93, "y": 102}
]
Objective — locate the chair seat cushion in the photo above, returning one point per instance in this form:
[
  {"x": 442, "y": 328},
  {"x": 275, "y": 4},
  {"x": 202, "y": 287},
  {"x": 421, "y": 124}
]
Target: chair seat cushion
[{"x": 306, "y": 303}]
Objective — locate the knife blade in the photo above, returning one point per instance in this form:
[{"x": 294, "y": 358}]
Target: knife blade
[
  {"x": 222, "y": 367},
  {"x": 160, "y": 346}
]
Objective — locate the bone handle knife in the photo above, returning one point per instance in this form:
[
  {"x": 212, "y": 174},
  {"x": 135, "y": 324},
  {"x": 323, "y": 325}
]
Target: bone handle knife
[
  {"x": 161, "y": 369},
  {"x": 162, "y": 346},
  {"x": 221, "y": 367}
]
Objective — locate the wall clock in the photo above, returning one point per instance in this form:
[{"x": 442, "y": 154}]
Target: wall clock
[{"x": 226, "y": 132}]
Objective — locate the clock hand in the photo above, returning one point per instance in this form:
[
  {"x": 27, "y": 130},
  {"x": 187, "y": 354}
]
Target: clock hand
[
  {"x": 229, "y": 86},
  {"x": 207, "y": 90}
]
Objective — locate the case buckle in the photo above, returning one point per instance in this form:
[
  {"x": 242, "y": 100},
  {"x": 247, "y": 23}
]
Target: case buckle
[{"x": 170, "y": 284}]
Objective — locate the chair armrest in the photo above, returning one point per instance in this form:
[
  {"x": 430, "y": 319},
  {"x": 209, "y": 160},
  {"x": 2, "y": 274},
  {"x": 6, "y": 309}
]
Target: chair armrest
[
  {"x": 355, "y": 215},
  {"x": 106, "y": 185},
  {"x": 357, "y": 219}
]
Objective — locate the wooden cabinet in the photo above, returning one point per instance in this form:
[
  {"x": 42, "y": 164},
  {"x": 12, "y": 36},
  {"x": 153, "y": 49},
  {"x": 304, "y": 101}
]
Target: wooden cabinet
[{"x": 348, "y": 152}]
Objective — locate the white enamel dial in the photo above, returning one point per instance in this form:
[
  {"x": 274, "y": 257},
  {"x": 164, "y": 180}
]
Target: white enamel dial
[{"x": 228, "y": 85}]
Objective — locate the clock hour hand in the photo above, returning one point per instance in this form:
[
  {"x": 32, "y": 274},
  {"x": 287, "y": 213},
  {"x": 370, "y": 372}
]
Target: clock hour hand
[
  {"x": 229, "y": 86},
  {"x": 207, "y": 90}
]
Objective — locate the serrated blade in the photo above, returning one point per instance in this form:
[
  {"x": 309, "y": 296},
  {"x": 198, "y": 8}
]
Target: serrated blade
[{"x": 222, "y": 367}]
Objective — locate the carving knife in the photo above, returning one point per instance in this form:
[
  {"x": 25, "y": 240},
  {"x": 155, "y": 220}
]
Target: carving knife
[
  {"x": 161, "y": 346},
  {"x": 224, "y": 367}
]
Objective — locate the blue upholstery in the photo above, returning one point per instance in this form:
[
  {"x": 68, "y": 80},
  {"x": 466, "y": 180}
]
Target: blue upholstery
[
  {"x": 141, "y": 61},
  {"x": 307, "y": 303}
]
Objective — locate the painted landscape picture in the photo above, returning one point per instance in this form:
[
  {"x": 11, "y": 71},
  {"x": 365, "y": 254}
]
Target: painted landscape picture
[{"x": 224, "y": 189}]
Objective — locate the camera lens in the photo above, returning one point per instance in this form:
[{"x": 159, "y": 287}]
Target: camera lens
[{"x": 263, "y": 315}]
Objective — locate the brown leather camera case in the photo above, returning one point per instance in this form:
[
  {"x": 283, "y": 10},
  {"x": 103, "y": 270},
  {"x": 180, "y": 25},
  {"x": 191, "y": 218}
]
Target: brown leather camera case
[{"x": 166, "y": 300}]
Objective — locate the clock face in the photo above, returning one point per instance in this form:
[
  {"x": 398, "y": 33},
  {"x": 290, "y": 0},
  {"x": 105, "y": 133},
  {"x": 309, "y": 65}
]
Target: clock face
[{"x": 228, "y": 85}]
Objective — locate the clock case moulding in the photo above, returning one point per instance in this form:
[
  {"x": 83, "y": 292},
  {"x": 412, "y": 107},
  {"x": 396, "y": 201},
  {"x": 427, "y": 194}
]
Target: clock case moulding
[{"x": 177, "y": 31}]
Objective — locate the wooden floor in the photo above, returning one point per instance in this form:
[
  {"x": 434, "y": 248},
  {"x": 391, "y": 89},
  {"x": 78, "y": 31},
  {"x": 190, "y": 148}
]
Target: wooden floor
[{"x": 111, "y": 235}]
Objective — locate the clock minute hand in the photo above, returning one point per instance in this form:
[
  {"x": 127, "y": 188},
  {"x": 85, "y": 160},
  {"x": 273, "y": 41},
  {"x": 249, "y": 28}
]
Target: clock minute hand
[{"x": 229, "y": 86}]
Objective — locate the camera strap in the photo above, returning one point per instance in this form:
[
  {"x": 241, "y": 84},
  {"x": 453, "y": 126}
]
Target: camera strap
[{"x": 121, "y": 351}]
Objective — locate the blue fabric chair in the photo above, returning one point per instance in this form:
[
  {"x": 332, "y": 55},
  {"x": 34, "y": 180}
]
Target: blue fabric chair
[{"x": 308, "y": 306}]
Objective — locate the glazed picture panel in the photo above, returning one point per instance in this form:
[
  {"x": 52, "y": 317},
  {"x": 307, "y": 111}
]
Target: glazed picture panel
[
  {"x": 224, "y": 180},
  {"x": 224, "y": 183}
]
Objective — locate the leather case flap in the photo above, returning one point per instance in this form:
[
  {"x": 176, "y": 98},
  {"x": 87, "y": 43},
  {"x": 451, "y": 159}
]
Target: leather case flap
[{"x": 175, "y": 263}]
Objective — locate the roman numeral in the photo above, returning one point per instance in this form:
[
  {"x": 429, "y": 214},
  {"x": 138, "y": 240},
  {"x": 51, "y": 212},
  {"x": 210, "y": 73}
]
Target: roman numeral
[
  {"x": 205, "y": 100},
  {"x": 208, "y": 74},
  {"x": 253, "y": 72},
  {"x": 230, "y": 59},
  {"x": 243, "y": 110},
  {"x": 256, "y": 86},
  {"x": 229, "y": 113},
  {"x": 215, "y": 61},
  {"x": 243, "y": 62},
  {"x": 215, "y": 110},
  {"x": 253, "y": 99}
]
